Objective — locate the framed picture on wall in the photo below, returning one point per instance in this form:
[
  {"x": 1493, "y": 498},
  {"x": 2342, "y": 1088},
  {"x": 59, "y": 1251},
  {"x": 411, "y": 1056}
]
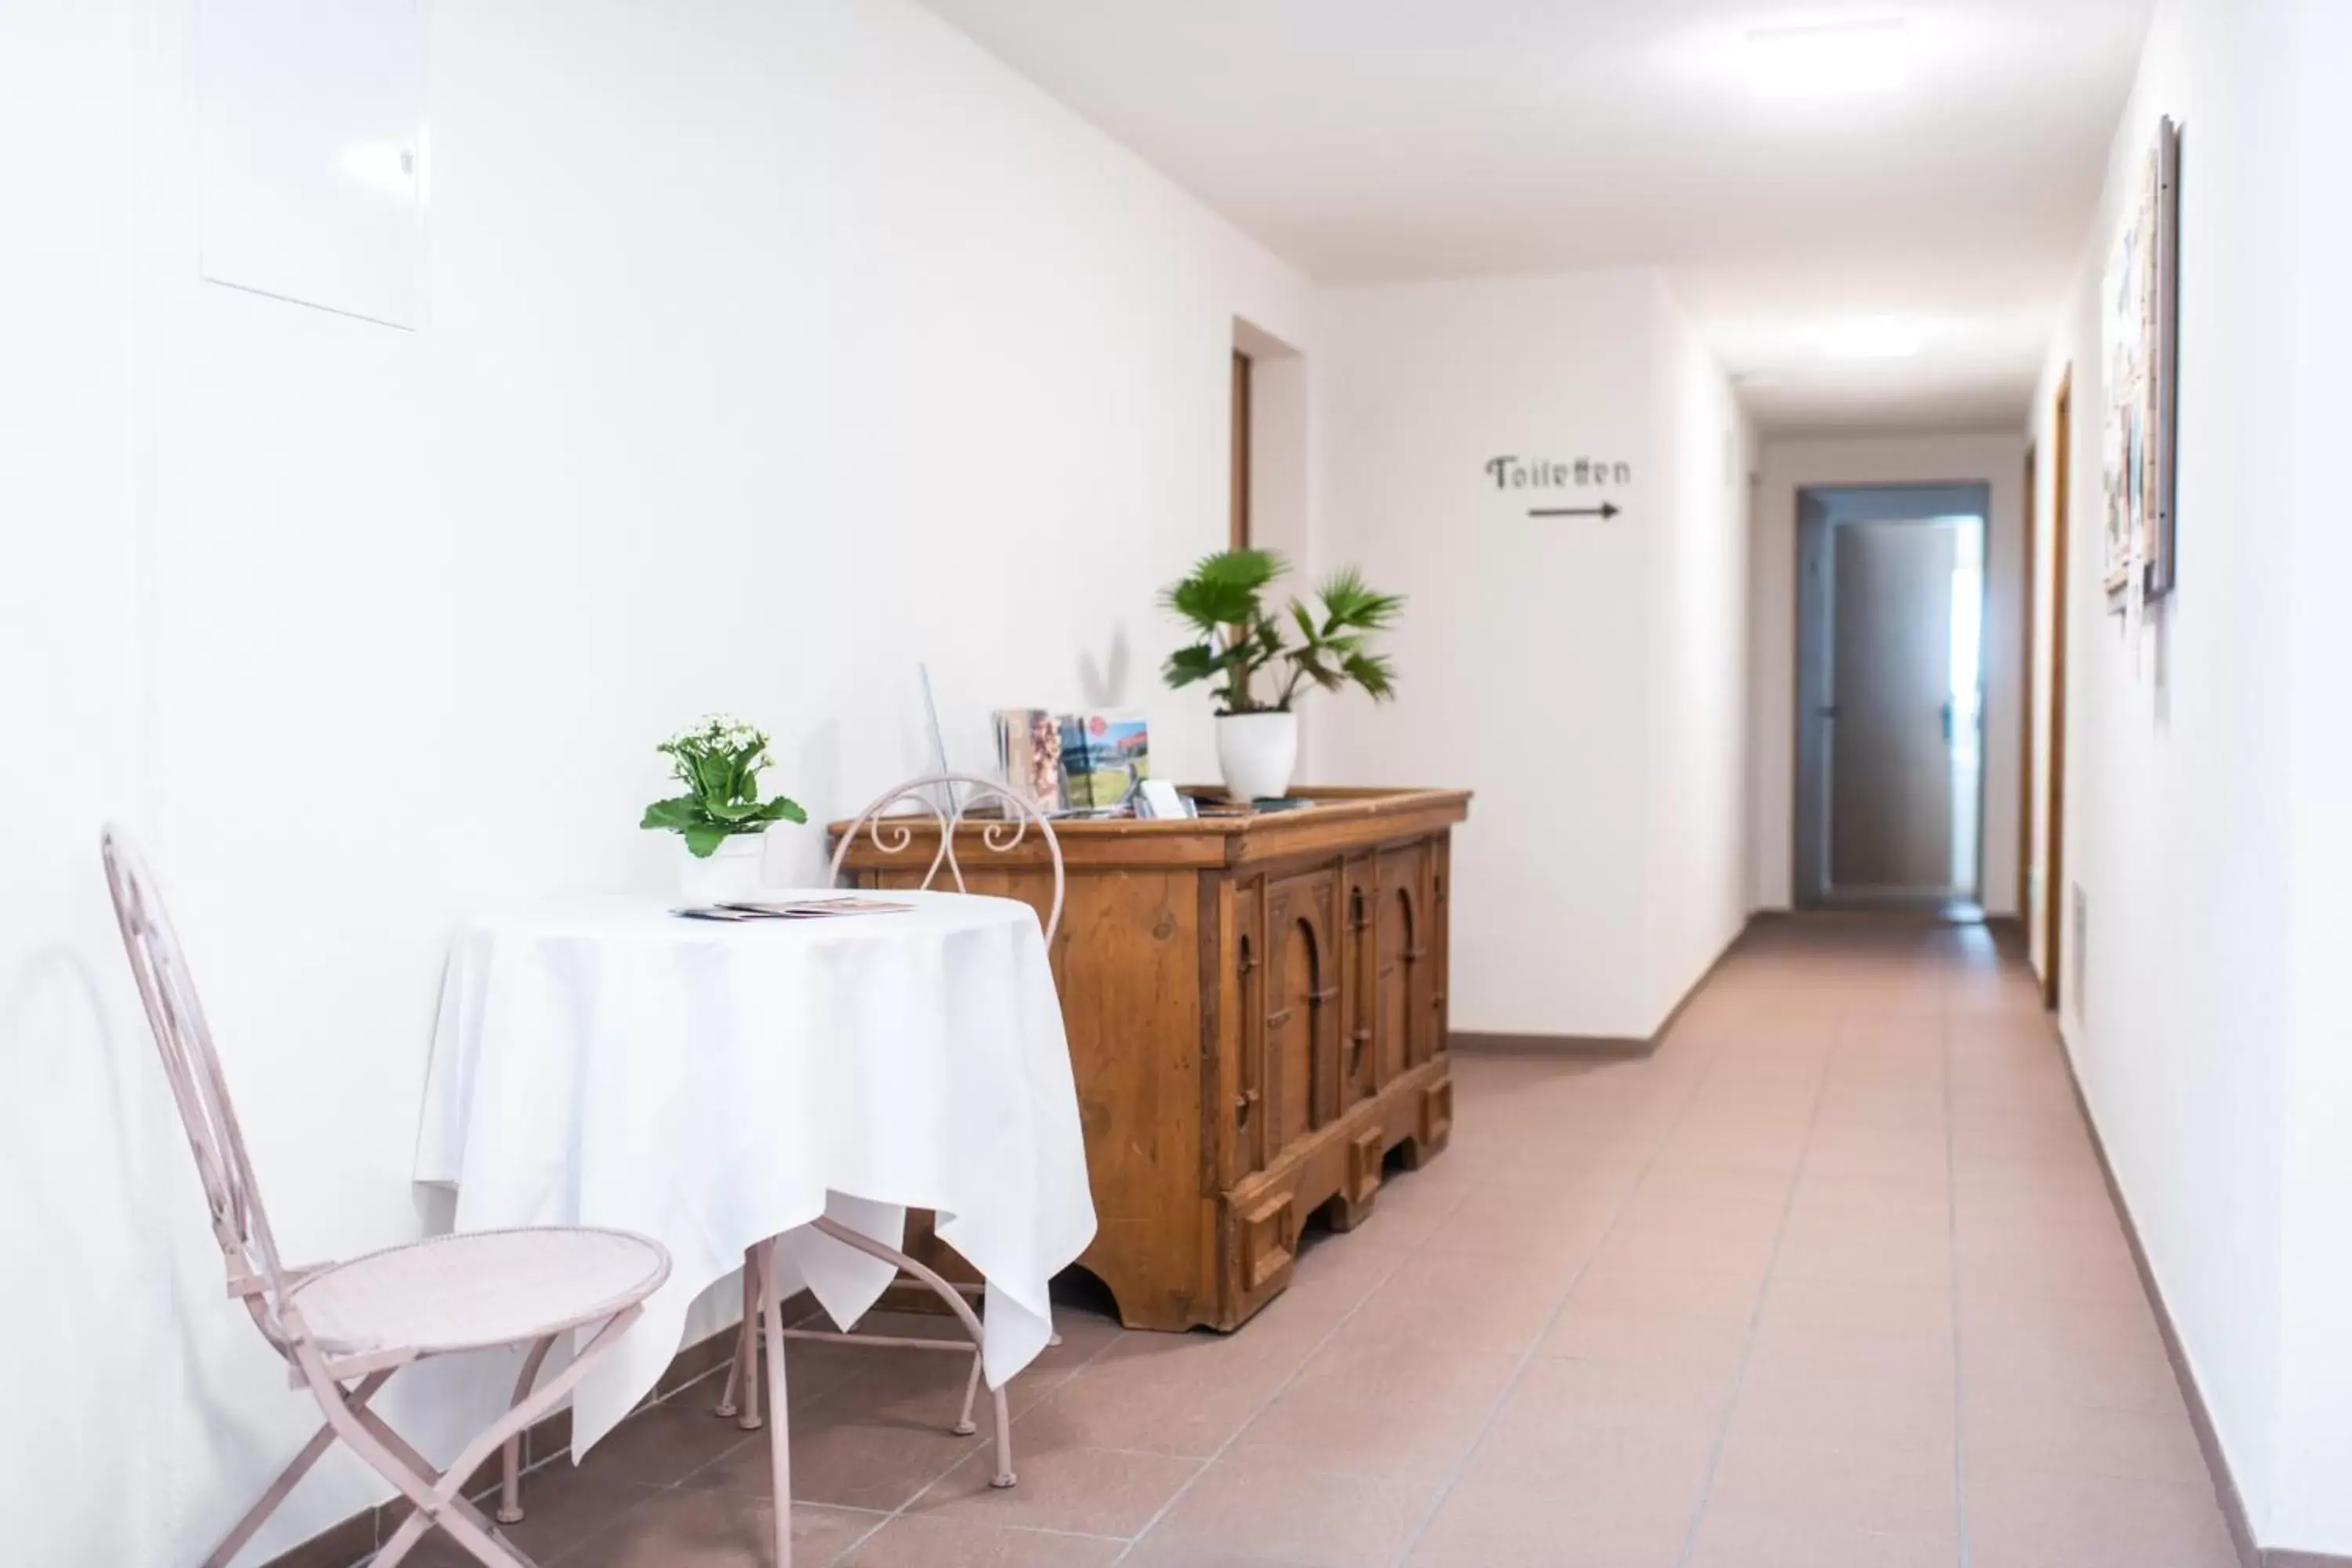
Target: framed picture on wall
[{"x": 2141, "y": 329}]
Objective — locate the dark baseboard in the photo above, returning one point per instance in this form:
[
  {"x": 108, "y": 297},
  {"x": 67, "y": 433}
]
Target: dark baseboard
[
  {"x": 353, "y": 1541},
  {"x": 2208, "y": 1441},
  {"x": 1593, "y": 1047}
]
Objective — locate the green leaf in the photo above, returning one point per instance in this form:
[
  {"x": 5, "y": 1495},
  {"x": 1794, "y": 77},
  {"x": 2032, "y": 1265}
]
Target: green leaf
[
  {"x": 674, "y": 815},
  {"x": 1223, "y": 589},
  {"x": 1186, "y": 665},
  {"x": 703, "y": 841},
  {"x": 1373, "y": 673},
  {"x": 1349, "y": 603},
  {"x": 784, "y": 809}
]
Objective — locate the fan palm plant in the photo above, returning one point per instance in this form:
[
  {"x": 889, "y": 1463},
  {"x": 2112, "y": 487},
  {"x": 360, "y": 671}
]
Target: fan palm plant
[{"x": 1241, "y": 640}]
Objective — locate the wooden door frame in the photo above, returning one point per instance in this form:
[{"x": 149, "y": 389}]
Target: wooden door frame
[
  {"x": 2053, "y": 888},
  {"x": 2029, "y": 677},
  {"x": 1238, "y": 529}
]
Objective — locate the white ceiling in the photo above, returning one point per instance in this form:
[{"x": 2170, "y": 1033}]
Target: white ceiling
[{"x": 1390, "y": 140}]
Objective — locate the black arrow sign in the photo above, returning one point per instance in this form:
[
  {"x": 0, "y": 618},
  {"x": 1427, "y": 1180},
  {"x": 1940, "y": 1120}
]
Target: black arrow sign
[{"x": 1605, "y": 509}]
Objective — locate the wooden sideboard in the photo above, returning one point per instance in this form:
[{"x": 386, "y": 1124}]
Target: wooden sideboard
[{"x": 1257, "y": 1015}]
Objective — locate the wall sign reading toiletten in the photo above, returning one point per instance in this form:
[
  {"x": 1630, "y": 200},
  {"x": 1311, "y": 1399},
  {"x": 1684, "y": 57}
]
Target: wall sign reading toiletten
[{"x": 1555, "y": 488}]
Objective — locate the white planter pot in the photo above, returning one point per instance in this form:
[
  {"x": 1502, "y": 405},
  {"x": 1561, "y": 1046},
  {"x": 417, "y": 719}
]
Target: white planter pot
[
  {"x": 1257, "y": 753},
  {"x": 734, "y": 869}
]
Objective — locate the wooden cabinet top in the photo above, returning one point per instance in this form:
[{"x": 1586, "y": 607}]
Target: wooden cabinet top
[{"x": 1340, "y": 819}]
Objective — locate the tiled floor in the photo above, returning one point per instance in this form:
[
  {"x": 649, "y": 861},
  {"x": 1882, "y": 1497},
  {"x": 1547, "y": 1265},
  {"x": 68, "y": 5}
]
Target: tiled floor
[{"x": 1832, "y": 1281}]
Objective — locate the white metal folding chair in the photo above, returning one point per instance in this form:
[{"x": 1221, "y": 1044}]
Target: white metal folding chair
[
  {"x": 345, "y": 1328},
  {"x": 935, "y": 796}
]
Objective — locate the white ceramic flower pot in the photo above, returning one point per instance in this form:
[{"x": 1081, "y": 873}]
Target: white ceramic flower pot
[
  {"x": 732, "y": 871},
  {"x": 1257, "y": 753}
]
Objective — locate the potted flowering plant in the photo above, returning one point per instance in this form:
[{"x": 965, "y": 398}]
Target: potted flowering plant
[
  {"x": 721, "y": 818},
  {"x": 1242, "y": 639}
]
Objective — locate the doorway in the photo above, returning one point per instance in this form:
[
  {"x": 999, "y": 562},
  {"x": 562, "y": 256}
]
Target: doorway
[{"x": 1890, "y": 788}]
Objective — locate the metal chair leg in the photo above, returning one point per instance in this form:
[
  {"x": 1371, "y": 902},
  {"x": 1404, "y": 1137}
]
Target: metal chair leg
[
  {"x": 964, "y": 1315},
  {"x": 1003, "y": 1476},
  {"x": 964, "y": 1426},
  {"x": 439, "y": 1500},
  {"x": 510, "y": 1468},
  {"x": 259, "y": 1515},
  {"x": 742, "y": 1377}
]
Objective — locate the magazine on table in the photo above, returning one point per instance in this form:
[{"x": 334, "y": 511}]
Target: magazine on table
[
  {"x": 1073, "y": 764},
  {"x": 1104, "y": 757},
  {"x": 1029, "y": 755},
  {"x": 789, "y": 908}
]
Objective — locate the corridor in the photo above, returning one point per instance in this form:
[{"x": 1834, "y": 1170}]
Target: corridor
[{"x": 1832, "y": 1281}]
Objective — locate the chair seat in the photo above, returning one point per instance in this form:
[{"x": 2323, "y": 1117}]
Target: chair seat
[{"x": 477, "y": 1289}]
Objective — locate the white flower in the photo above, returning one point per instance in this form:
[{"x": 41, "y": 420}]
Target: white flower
[{"x": 718, "y": 732}]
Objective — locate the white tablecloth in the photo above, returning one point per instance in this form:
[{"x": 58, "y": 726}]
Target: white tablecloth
[{"x": 605, "y": 1062}]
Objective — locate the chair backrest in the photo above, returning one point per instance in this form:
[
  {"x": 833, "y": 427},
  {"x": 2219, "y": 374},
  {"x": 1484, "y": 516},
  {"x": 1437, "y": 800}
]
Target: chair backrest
[
  {"x": 177, "y": 1020},
  {"x": 936, "y": 796}
]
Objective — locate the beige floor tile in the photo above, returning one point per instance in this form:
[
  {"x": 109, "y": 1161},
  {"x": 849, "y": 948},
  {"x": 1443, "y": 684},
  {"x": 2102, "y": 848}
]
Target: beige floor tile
[
  {"x": 1636, "y": 1335},
  {"x": 2034, "y": 1432},
  {"x": 1817, "y": 1409},
  {"x": 2068, "y": 1519},
  {"x": 1083, "y": 1491},
  {"x": 845, "y": 1455},
  {"x": 1635, "y": 1248},
  {"x": 1288, "y": 1509},
  {"x": 1133, "y": 1404},
  {"x": 1154, "y": 1552},
  {"x": 1833, "y": 1306},
  {"x": 1497, "y": 1311},
  {"x": 910, "y": 1543},
  {"x": 1445, "y": 1371},
  {"x": 1735, "y": 1542},
  {"x": 1498, "y": 1522},
  {"x": 1679, "y": 1396},
  {"x": 1737, "y": 1191},
  {"x": 1645, "y": 1470},
  {"x": 689, "y": 1529},
  {"x": 1336, "y": 1431},
  {"x": 1726, "y": 1296},
  {"x": 1779, "y": 1488},
  {"x": 1919, "y": 1260},
  {"x": 1909, "y": 1355}
]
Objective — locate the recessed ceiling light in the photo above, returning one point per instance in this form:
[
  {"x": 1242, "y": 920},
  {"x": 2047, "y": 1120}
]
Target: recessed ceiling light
[
  {"x": 1832, "y": 60},
  {"x": 1873, "y": 337}
]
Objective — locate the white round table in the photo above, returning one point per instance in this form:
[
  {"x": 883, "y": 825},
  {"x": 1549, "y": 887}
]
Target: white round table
[{"x": 711, "y": 1085}]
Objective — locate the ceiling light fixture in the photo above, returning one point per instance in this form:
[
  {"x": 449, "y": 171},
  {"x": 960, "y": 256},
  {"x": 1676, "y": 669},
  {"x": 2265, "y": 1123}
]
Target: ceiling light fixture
[
  {"x": 1832, "y": 60},
  {"x": 1873, "y": 337}
]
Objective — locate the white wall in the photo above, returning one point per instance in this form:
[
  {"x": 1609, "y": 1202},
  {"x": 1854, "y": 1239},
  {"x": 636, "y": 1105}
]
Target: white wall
[
  {"x": 1695, "y": 886},
  {"x": 1535, "y": 653},
  {"x": 768, "y": 349},
  {"x": 2312, "y": 1437},
  {"x": 2203, "y": 806},
  {"x": 86, "y": 1134},
  {"x": 1790, "y": 465}
]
